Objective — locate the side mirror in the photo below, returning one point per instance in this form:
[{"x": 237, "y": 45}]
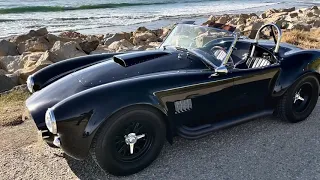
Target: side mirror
[{"x": 221, "y": 70}]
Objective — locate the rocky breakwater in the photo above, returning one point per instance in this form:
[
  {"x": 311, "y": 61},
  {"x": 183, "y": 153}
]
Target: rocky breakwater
[
  {"x": 306, "y": 19},
  {"x": 22, "y": 55}
]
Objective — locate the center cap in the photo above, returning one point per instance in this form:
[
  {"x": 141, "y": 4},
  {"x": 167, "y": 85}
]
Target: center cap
[{"x": 131, "y": 139}]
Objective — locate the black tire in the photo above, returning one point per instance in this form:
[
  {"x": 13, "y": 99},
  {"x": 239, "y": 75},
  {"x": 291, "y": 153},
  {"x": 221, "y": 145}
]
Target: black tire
[
  {"x": 293, "y": 109},
  {"x": 111, "y": 153}
]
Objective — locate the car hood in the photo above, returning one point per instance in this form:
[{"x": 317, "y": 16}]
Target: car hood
[{"x": 140, "y": 64}]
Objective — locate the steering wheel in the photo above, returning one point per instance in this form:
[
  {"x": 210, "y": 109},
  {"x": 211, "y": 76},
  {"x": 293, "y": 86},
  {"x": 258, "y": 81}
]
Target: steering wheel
[{"x": 220, "y": 53}]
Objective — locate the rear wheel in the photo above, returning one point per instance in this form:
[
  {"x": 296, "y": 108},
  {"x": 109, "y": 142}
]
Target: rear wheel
[
  {"x": 300, "y": 99},
  {"x": 129, "y": 141}
]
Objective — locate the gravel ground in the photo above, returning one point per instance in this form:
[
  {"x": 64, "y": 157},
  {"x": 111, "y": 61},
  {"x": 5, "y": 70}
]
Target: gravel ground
[{"x": 266, "y": 148}]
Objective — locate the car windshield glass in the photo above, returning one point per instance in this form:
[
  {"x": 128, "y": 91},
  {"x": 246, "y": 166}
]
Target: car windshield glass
[{"x": 202, "y": 39}]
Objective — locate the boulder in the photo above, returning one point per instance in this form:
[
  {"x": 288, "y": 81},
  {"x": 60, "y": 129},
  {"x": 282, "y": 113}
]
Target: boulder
[
  {"x": 121, "y": 45},
  {"x": 19, "y": 39},
  {"x": 222, "y": 20},
  {"x": 101, "y": 49},
  {"x": 316, "y": 24},
  {"x": 116, "y": 37},
  {"x": 3, "y": 72},
  {"x": 5, "y": 83},
  {"x": 165, "y": 32},
  {"x": 15, "y": 79},
  {"x": 288, "y": 9},
  {"x": 8, "y": 48},
  {"x": 66, "y": 50},
  {"x": 293, "y": 14},
  {"x": 41, "y": 32},
  {"x": 72, "y": 35},
  {"x": 10, "y": 63},
  {"x": 269, "y": 12},
  {"x": 90, "y": 44},
  {"x": 263, "y": 16},
  {"x": 42, "y": 62},
  {"x": 253, "y": 29},
  {"x": 212, "y": 18},
  {"x": 299, "y": 26},
  {"x": 144, "y": 37},
  {"x": 28, "y": 59},
  {"x": 38, "y": 44}
]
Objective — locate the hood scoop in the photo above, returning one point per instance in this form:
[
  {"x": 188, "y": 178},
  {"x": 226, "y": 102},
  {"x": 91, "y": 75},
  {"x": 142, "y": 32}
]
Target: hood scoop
[{"x": 133, "y": 58}]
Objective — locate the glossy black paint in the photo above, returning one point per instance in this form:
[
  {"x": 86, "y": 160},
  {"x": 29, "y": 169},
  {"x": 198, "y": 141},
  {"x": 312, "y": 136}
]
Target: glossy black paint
[{"x": 97, "y": 87}]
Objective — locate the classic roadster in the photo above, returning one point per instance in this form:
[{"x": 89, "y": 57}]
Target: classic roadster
[{"x": 121, "y": 107}]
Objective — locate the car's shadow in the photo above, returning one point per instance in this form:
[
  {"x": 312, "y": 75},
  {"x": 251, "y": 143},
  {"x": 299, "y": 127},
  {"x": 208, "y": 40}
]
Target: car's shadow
[{"x": 231, "y": 153}]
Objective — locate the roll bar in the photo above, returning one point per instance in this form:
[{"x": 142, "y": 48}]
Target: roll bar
[{"x": 276, "y": 50}]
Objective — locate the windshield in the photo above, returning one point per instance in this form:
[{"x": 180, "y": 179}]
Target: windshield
[{"x": 211, "y": 44}]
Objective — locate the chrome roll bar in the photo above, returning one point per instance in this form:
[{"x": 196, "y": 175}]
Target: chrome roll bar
[{"x": 276, "y": 49}]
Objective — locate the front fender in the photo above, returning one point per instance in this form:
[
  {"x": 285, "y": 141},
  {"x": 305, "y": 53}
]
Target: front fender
[
  {"x": 79, "y": 116},
  {"x": 58, "y": 70},
  {"x": 294, "y": 66}
]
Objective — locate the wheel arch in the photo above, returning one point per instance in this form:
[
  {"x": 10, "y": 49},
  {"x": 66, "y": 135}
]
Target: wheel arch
[{"x": 164, "y": 117}]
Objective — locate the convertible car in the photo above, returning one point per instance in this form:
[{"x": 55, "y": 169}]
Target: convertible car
[{"x": 120, "y": 108}]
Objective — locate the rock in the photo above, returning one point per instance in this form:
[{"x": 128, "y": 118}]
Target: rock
[
  {"x": 309, "y": 14},
  {"x": 41, "y": 32},
  {"x": 263, "y": 16},
  {"x": 253, "y": 29},
  {"x": 316, "y": 23},
  {"x": 42, "y": 62},
  {"x": 288, "y": 9},
  {"x": 5, "y": 83},
  {"x": 314, "y": 8},
  {"x": 14, "y": 78},
  {"x": 8, "y": 48},
  {"x": 66, "y": 50},
  {"x": 28, "y": 59},
  {"x": 212, "y": 18},
  {"x": 155, "y": 44},
  {"x": 19, "y": 39},
  {"x": 3, "y": 72},
  {"x": 299, "y": 26},
  {"x": 121, "y": 45},
  {"x": 222, "y": 20},
  {"x": 101, "y": 49},
  {"x": 72, "y": 35},
  {"x": 10, "y": 63},
  {"x": 269, "y": 12},
  {"x": 293, "y": 14},
  {"x": 144, "y": 37},
  {"x": 89, "y": 45},
  {"x": 116, "y": 37},
  {"x": 165, "y": 32},
  {"x": 39, "y": 44}
]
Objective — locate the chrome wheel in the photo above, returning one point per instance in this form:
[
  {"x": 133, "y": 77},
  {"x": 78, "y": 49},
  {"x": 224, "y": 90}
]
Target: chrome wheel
[
  {"x": 133, "y": 141},
  {"x": 302, "y": 97}
]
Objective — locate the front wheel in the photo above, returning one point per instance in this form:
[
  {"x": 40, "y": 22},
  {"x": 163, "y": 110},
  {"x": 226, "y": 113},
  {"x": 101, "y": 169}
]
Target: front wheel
[
  {"x": 299, "y": 100},
  {"x": 129, "y": 141}
]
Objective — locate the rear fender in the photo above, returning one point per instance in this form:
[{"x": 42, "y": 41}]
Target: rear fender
[{"x": 294, "y": 66}]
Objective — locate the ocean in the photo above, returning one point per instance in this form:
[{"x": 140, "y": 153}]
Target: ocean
[{"x": 109, "y": 16}]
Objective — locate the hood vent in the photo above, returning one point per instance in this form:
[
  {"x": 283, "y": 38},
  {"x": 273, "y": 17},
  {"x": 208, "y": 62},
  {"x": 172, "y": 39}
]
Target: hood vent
[{"x": 133, "y": 58}]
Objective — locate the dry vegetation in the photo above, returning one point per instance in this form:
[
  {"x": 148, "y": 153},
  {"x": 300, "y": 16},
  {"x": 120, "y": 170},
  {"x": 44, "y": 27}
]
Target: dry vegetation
[
  {"x": 12, "y": 108},
  {"x": 303, "y": 39}
]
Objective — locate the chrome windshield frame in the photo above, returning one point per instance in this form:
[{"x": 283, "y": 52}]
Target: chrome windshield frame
[{"x": 229, "y": 52}]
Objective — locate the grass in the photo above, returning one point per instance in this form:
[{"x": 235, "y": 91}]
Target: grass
[
  {"x": 303, "y": 39},
  {"x": 12, "y": 108}
]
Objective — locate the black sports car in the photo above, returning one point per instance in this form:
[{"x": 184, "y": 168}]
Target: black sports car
[{"x": 120, "y": 108}]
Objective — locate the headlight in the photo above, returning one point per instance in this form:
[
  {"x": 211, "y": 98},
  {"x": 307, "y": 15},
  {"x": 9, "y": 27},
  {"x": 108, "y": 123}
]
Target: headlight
[
  {"x": 51, "y": 121},
  {"x": 30, "y": 84}
]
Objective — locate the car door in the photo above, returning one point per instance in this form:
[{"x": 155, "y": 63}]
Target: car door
[
  {"x": 199, "y": 103},
  {"x": 253, "y": 87}
]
